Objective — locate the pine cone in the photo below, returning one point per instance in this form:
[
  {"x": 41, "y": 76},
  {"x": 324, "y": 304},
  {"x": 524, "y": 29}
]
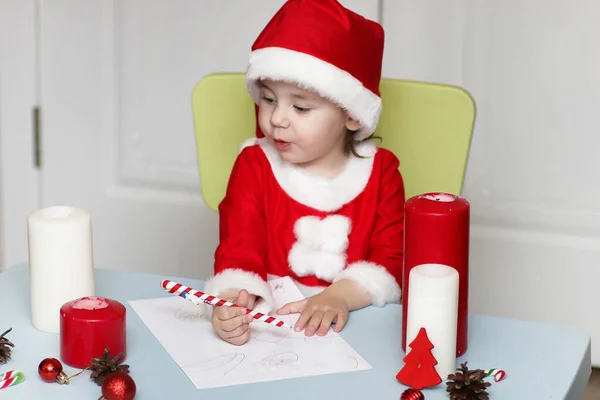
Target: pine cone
[
  {"x": 5, "y": 350},
  {"x": 467, "y": 385},
  {"x": 103, "y": 366}
]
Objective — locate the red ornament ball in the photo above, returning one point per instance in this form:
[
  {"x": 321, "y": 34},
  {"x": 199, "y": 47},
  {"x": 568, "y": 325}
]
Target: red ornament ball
[
  {"x": 118, "y": 386},
  {"x": 412, "y": 394},
  {"x": 49, "y": 369}
]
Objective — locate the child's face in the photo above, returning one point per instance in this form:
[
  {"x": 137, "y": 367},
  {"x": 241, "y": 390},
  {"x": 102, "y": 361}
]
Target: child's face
[{"x": 304, "y": 127}]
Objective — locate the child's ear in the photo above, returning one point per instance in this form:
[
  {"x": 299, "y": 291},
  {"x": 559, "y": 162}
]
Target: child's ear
[{"x": 352, "y": 124}]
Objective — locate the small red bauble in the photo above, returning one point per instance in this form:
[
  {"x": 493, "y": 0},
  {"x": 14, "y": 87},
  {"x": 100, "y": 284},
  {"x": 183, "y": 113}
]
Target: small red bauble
[
  {"x": 412, "y": 394},
  {"x": 118, "y": 386},
  {"x": 51, "y": 370}
]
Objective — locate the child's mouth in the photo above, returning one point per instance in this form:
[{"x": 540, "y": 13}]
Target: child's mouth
[{"x": 281, "y": 145}]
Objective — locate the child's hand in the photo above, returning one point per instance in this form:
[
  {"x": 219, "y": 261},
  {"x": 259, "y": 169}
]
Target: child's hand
[
  {"x": 232, "y": 324},
  {"x": 318, "y": 313}
]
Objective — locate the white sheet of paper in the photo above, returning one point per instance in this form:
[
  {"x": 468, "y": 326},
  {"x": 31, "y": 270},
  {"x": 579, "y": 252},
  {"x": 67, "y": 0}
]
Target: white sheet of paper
[{"x": 272, "y": 353}]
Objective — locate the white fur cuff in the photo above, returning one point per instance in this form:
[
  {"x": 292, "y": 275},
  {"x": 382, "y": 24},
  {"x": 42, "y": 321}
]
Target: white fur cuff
[
  {"x": 375, "y": 279},
  {"x": 240, "y": 279}
]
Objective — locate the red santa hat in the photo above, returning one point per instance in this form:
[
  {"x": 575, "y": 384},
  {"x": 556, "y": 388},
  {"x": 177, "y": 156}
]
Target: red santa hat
[{"x": 323, "y": 46}]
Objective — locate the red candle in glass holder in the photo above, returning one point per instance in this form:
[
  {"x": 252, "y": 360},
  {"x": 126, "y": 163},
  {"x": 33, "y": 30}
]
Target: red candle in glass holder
[
  {"x": 88, "y": 325},
  {"x": 436, "y": 230}
]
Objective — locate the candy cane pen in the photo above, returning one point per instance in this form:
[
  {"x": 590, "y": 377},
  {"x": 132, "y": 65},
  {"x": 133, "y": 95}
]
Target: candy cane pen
[{"x": 198, "y": 297}]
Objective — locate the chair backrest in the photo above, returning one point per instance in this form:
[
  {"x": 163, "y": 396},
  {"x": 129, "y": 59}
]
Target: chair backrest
[{"x": 428, "y": 126}]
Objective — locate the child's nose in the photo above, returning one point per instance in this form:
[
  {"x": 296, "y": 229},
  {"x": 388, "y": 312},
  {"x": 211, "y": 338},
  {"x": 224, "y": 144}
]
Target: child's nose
[{"x": 279, "y": 117}]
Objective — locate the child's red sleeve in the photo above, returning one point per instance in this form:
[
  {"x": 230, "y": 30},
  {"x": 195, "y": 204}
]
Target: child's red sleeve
[
  {"x": 240, "y": 255},
  {"x": 381, "y": 273}
]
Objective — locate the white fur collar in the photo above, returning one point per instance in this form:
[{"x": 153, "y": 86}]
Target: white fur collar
[{"x": 317, "y": 192}]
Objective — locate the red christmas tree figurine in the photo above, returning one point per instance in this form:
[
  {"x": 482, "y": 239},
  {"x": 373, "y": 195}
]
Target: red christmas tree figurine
[{"x": 419, "y": 371}]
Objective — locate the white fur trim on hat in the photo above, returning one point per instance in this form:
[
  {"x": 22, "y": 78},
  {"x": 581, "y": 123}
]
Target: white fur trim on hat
[
  {"x": 240, "y": 279},
  {"x": 375, "y": 279},
  {"x": 326, "y": 79}
]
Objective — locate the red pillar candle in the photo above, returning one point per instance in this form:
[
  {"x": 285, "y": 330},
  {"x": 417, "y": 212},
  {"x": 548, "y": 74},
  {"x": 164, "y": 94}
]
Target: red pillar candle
[
  {"x": 437, "y": 232},
  {"x": 88, "y": 325}
]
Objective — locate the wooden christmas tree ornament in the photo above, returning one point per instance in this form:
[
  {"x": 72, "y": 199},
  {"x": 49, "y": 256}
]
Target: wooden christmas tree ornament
[{"x": 419, "y": 368}]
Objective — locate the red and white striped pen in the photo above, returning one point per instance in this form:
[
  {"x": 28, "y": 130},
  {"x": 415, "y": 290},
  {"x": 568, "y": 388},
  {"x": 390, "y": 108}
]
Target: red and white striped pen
[{"x": 198, "y": 297}]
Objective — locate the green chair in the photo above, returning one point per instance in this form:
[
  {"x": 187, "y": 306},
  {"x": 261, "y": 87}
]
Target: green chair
[{"x": 428, "y": 126}]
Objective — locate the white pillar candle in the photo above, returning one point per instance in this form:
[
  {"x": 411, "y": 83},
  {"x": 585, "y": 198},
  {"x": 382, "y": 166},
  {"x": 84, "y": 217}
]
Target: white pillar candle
[
  {"x": 60, "y": 262},
  {"x": 433, "y": 305}
]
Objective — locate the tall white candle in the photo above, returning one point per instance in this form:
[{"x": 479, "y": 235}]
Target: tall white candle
[
  {"x": 433, "y": 305},
  {"x": 60, "y": 262}
]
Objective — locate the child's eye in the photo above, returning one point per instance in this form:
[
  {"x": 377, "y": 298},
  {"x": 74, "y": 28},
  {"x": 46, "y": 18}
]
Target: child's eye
[
  {"x": 302, "y": 109},
  {"x": 268, "y": 99}
]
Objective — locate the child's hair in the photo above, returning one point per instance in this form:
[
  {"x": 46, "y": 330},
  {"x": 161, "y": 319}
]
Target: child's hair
[{"x": 350, "y": 142}]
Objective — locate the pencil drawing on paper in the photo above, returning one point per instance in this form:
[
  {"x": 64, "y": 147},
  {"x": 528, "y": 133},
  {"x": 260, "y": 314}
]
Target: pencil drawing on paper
[
  {"x": 271, "y": 333},
  {"x": 221, "y": 364},
  {"x": 187, "y": 313},
  {"x": 271, "y": 353},
  {"x": 281, "y": 358},
  {"x": 278, "y": 288}
]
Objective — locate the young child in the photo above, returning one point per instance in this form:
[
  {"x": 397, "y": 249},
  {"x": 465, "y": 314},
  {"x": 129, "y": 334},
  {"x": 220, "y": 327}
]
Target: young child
[{"x": 312, "y": 198}]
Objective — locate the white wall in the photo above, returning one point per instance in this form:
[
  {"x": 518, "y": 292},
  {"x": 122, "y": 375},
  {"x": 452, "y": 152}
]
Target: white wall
[{"x": 532, "y": 67}]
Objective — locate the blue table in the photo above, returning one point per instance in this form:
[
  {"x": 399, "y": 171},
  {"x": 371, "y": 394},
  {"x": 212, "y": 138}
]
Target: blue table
[{"x": 541, "y": 361}]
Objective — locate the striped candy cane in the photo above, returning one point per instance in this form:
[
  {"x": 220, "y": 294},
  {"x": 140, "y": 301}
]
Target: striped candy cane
[
  {"x": 7, "y": 375},
  {"x": 198, "y": 297},
  {"x": 498, "y": 374},
  {"x": 11, "y": 378}
]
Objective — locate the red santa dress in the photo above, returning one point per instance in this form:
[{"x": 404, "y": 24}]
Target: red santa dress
[{"x": 278, "y": 220}]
